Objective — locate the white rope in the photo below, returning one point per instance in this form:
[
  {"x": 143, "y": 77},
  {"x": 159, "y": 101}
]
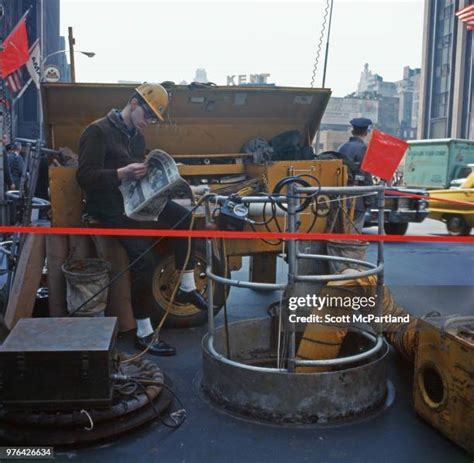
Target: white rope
[{"x": 91, "y": 427}]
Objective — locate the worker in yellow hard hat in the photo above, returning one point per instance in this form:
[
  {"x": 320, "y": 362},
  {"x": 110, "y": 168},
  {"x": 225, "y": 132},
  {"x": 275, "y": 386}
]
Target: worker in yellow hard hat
[
  {"x": 112, "y": 149},
  {"x": 153, "y": 100}
]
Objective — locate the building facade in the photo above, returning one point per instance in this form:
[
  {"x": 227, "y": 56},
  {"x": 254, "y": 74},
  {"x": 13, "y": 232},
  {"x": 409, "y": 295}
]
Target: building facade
[
  {"x": 446, "y": 88},
  {"x": 44, "y": 15},
  {"x": 373, "y": 83},
  {"x": 331, "y": 140},
  {"x": 408, "y": 91},
  {"x": 392, "y": 106},
  {"x": 383, "y": 111}
]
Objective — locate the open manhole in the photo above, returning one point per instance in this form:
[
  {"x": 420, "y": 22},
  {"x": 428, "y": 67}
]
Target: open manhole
[{"x": 279, "y": 397}]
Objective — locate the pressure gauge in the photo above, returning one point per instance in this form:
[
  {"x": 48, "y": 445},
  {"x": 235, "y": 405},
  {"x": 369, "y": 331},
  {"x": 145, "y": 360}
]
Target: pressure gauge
[{"x": 240, "y": 210}]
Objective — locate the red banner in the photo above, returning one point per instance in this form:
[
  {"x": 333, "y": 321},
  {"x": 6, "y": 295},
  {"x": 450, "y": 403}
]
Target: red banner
[
  {"x": 383, "y": 155},
  {"x": 15, "y": 50}
]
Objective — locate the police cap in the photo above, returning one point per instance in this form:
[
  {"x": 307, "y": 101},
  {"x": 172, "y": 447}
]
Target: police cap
[{"x": 361, "y": 122}]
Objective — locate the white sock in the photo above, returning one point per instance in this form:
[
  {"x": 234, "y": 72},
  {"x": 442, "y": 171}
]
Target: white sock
[
  {"x": 187, "y": 283},
  {"x": 144, "y": 327}
]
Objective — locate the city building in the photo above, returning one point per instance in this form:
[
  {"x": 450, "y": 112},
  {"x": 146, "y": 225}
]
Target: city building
[
  {"x": 331, "y": 140},
  {"x": 383, "y": 111},
  {"x": 23, "y": 118},
  {"x": 201, "y": 76},
  {"x": 392, "y": 106},
  {"x": 408, "y": 91},
  {"x": 340, "y": 110},
  {"x": 446, "y": 88},
  {"x": 374, "y": 84}
]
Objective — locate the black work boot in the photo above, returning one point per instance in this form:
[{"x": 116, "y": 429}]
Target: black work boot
[
  {"x": 157, "y": 347},
  {"x": 191, "y": 297}
]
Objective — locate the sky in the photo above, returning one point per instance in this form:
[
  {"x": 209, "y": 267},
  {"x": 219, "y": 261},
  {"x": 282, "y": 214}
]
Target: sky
[{"x": 155, "y": 40}]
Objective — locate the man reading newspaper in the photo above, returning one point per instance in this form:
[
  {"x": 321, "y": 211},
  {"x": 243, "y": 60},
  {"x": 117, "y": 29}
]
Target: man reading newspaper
[{"x": 111, "y": 155}]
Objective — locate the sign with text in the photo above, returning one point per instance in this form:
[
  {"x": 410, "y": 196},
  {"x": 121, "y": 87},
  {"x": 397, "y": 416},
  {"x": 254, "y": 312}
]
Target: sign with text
[
  {"x": 34, "y": 63},
  {"x": 243, "y": 79}
]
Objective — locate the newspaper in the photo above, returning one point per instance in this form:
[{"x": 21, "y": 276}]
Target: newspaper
[{"x": 144, "y": 199}]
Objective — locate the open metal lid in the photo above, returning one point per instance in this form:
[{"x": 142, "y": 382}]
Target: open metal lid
[{"x": 202, "y": 120}]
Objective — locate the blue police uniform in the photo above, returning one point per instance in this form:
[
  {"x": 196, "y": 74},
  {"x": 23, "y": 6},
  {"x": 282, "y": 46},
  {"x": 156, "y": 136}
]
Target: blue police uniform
[{"x": 354, "y": 150}]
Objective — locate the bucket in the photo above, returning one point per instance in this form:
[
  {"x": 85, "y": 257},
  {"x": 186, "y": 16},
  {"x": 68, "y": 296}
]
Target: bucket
[
  {"x": 352, "y": 249},
  {"x": 84, "y": 278}
]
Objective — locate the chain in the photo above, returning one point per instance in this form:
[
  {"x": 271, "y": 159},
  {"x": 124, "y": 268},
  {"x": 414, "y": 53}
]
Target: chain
[
  {"x": 264, "y": 180},
  {"x": 320, "y": 43}
]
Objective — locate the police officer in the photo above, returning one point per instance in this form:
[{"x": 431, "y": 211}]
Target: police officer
[{"x": 354, "y": 150}]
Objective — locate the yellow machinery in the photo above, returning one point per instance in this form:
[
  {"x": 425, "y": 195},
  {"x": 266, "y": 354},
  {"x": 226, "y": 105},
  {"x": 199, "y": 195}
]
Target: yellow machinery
[
  {"x": 441, "y": 348},
  {"x": 444, "y": 377},
  {"x": 206, "y": 130}
]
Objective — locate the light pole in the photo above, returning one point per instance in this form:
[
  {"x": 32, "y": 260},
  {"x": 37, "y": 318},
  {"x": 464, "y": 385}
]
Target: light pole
[{"x": 89, "y": 54}]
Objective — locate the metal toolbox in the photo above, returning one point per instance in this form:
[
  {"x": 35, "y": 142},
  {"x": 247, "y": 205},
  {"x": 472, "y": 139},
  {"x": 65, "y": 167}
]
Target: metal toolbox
[{"x": 58, "y": 363}]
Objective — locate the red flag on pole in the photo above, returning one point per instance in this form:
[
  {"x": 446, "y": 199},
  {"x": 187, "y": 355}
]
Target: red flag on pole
[
  {"x": 383, "y": 155},
  {"x": 15, "y": 50}
]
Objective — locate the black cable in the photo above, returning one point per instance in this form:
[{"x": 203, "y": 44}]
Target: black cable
[
  {"x": 144, "y": 253},
  {"x": 181, "y": 413},
  {"x": 266, "y": 222},
  {"x": 299, "y": 180},
  {"x": 316, "y": 179},
  {"x": 283, "y": 182},
  {"x": 274, "y": 218},
  {"x": 272, "y": 202},
  {"x": 214, "y": 213},
  {"x": 126, "y": 389},
  {"x": 265, "y": 240},
  {"x": 314, "y": 210}
]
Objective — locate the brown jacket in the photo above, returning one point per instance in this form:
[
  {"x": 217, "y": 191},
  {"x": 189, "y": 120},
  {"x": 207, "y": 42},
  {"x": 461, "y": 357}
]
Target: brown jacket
[{"x": 105, "y": 146}]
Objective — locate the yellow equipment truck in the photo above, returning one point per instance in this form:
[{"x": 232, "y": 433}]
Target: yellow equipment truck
[{"x": 205, "y": 133}]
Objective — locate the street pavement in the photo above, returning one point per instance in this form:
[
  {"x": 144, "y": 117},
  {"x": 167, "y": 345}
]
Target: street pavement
[
  {"x": 422, "y": 276},
  {"x": 428, "y": 227}
]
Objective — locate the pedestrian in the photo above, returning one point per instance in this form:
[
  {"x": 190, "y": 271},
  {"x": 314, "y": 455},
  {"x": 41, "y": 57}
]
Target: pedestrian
[
  {"x": 16, "y": 163},
  {"x": 8, "y": 183},
  {"x": 354, "y": 150},
  {"x": 112, "y": 149}
]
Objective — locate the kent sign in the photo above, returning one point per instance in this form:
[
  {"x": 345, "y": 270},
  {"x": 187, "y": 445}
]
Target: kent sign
[{"x": 243, "y": 79}]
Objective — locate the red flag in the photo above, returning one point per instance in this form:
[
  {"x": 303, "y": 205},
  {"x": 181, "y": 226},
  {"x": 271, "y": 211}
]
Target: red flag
[
  {"x": 15, "y": 50},
  {"x": 383, "y": 155}
]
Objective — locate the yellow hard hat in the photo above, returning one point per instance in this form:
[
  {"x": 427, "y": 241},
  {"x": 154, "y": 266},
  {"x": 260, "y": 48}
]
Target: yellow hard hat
[{"x": 155, "y": 96}]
